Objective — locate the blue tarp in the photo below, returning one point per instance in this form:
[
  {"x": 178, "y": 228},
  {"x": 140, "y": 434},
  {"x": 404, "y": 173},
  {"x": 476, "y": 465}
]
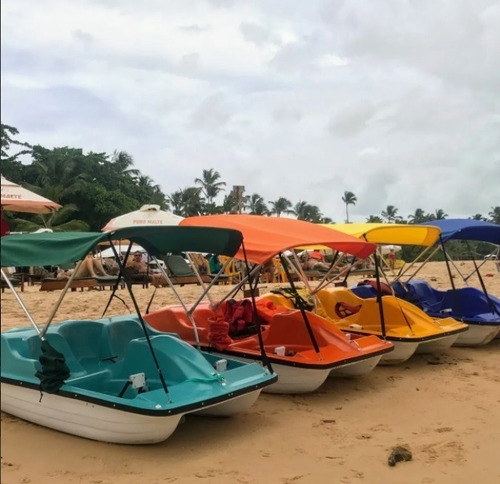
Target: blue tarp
[{"x": 466, "y": 229}]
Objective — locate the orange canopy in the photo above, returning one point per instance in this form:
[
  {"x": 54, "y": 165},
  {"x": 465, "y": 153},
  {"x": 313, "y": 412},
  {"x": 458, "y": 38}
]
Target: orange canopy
[{"x": 264, "y": 237}]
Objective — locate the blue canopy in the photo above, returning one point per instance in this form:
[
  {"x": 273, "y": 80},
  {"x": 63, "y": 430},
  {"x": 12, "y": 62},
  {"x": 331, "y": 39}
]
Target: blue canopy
[{"x": 467, "y": 229}]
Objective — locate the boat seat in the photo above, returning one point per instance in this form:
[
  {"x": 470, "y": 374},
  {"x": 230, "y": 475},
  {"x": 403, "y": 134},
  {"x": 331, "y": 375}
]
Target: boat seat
[
  {"x": 86, "y": 342},
  {"x": 118, "y": 334},
  {"x": 178, "y": 359},
  {"x": 425, "y": 296},
  {"x": 364, "y": 292}
]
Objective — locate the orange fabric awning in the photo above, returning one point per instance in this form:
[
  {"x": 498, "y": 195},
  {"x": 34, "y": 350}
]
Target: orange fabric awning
[{"x": 264, "y": 237}]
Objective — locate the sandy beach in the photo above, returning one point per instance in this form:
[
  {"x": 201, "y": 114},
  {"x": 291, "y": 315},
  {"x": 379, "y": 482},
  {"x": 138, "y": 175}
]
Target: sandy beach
[{"x": 443, "y": 408}]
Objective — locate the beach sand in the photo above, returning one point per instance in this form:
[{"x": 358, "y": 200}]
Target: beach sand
[{"x": 444, "y": 409}]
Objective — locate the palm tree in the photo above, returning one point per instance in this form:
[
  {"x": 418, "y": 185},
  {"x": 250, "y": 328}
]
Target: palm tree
[
  {"x": 494, "y": 215},
  {"x": 349, "y": 199},
  {"x": 418, "y": 217},
  {"x": 186, "y": 202},
  {"x": 230, "y": 203},
  {"x": 209, "y": 184},
  {"x": 59, "y": 221},
  {"x": 440, "y": 215},
  {"x": 282, "y": 205},
  {"x": 256, "y": 205},
  {"x": 123, "y": 163},
  {"x": 305, "y": 211},
  {"x": 374, "y": 219},
  {"x": 390, "y": 213},
  {"x": 175, "y": 200},
  {"x": 58, "y": 173}
]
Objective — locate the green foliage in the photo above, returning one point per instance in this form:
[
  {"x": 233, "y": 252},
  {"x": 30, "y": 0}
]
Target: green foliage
[
  {"x": 95, "y": 187},
  {"x": 281, "y": 205},
  {"x": 256, "y": 205},
  {"x": 349, "y": 199}
]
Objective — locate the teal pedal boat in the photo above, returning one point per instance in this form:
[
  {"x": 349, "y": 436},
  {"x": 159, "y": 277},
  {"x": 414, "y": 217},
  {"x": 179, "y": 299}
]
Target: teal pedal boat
[{"x": 116, "y": 379}]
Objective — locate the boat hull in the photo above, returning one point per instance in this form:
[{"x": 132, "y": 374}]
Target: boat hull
[
  {"x": 231, "y": 407},
  {"x": 358, "y": 368},
  {"x": 478, "y": 335},
  {"x": 403, "y": 350},
  {"x": 86, "y": 419},
  {"x": 438, "y": 344}
]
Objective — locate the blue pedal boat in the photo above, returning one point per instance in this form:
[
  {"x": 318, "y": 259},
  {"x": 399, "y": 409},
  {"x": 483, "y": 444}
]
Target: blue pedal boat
[{"x": 476, "y": 307}]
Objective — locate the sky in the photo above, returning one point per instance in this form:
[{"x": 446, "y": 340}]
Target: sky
[{"x": 395, "y": 101}]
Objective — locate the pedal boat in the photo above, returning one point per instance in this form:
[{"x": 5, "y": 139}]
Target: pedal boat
[
  {"x": 407, "y": 327},
  {"x": 303, "y": 348},
  {"x": 374, "y": 308},
  {"x": 115, "y": 379},
  {"x": 475, "y": 307}
]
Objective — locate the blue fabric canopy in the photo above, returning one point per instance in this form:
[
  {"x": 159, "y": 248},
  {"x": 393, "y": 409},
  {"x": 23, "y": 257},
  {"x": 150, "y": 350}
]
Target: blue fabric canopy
[{"x": 466, "y": 229}]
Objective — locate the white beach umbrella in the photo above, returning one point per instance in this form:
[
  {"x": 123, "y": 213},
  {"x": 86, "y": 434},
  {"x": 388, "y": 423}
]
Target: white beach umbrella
[
  {"x": 15, "y": 198},
  {"x": 146, "y": 215},
  {"x": 387, "y": 248}
]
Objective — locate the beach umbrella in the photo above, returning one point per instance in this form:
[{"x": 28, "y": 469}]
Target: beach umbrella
[
  {"x": 15, "y": 198},
  {"x": 146, "y": 215}
]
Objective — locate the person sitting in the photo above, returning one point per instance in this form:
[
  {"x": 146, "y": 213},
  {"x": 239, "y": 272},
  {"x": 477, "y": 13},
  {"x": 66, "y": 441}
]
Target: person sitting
[
  {"x": 267, "y": 271},
  {"x": 313, "y": 263},
  {"x": 138, "y": 269}
]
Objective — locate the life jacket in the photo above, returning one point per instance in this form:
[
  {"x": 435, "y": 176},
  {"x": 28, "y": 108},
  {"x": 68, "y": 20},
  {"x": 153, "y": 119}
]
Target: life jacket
[
  {"x": 218, "y": 332},
  {"x": 239, "y": 315}
]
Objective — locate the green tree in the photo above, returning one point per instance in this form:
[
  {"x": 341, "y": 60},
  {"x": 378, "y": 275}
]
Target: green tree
[
  {"x": 418, "y": 217},
  {"x": 374, "y": 219},
  {"x": 187, "y": 202},
  {"x": 256, "y": 205},
  {"x": 12, "y": 168},
  {"x": 389, "y": 214},
  {"x": 59, "y": 221},
  {"x": 349, "y": 199},
  {"x": 494, "y": 215},
  {"x": 282, "y": 205},
  {"x": 305, "y": 211},
  {"x": 439, "y": 214},
  {"x": 211, "y": 187}
]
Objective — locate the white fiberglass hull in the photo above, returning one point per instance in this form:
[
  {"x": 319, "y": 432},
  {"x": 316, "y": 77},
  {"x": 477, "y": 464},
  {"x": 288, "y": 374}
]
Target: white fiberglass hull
[
  {"x": 403, "y": 350},
  {"x": 86, "y": 419},
  {"x": 231, "y": 407},
  {"x": 477, "y": 335},
  {"x": 292, "y": 379},
  {"x": 437, "y": 345},
  {"x": 358, "y": 368}
]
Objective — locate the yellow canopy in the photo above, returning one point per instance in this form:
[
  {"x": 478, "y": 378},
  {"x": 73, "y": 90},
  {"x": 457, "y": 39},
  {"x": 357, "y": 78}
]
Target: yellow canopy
[{"x": 400, "y": 234}]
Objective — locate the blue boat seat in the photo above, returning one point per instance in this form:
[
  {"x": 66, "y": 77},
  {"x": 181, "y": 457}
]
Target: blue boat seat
[{"x": 364, "y": 292}]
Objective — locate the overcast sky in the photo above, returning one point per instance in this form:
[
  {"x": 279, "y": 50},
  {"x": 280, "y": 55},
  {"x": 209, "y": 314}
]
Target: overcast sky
[{"x": 397, "y": 101}]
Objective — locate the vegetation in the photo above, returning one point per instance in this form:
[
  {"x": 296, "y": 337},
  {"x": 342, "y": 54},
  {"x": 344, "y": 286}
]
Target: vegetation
[{"x": 95, "y": 187}]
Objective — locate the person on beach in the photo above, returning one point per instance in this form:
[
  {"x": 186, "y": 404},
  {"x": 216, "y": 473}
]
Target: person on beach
[
  {"x": 392, "y": 258},
  {"x": 139, "y": 269},
  {"x": 90, "y": 267},
  {"x": 311, "y": 262}
]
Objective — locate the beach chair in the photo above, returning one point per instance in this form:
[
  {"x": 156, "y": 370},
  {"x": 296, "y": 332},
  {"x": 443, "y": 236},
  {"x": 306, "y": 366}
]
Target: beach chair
[
  {"x": 231, "y": 271},
  {"x": 181, "y": 272},
  {"x": 17, "y": 280}
]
